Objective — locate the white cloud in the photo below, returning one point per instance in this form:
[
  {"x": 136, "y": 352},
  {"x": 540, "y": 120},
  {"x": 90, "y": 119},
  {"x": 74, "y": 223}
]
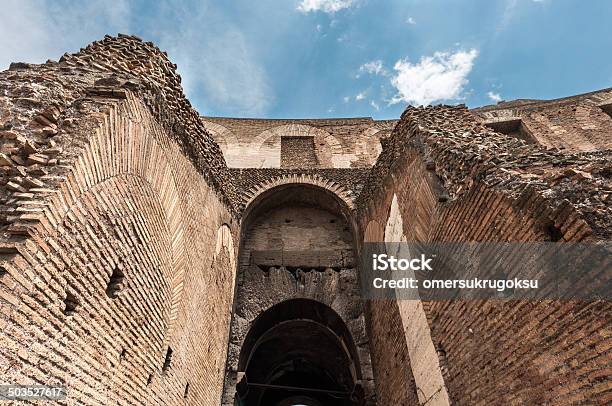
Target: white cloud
[
  {"x": 327, "y": 6},
  {"x": 374, "y": 68},
  {"x": 342, "y": 38},
  {"x": 375, "y": 105},
  {"x": 360, "y": 96},
  {"x": 346, "y": 99},
  {"x": 411, "y": 21},
  {"x": 494, "y": 97},
  {"x": 434, "y": 78}
]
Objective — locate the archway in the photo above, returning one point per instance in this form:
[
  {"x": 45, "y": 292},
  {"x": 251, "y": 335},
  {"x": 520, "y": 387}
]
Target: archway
[
  {"x": 298, "y": 311},
  {"x": 299, "y": 352}
]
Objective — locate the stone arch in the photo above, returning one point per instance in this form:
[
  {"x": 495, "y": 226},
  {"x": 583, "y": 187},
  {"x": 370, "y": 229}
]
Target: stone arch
[
  {"x": 296, "y": 308},
  {"x": 267, "y": 143},
  {"x": 278, "y": 262},
  {"x": 368, "y": 145},
  {"x": 221, "y": 134},
  {"x": 121, "y": 153},
  {"x": 255, "y": 193},
  {"x": 227, "y": 140},
  {"x": 336, "y": 352},
  {"x": 119, "y": 146}
]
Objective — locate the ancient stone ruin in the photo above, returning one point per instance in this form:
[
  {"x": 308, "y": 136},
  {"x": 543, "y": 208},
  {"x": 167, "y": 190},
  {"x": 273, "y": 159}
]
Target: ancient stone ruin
[{"x": 152, "y": 256}]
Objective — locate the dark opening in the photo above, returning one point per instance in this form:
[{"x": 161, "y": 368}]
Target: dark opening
[
  {"x": 70, "y": 304},
  {"x": 299, "y": 352},
  {"x": 186, "y": 394},
  {"x": 168, "y": 360},
  {"x": 514, "y": 128},
  {"x": 149, "y": 379},
  {"x": 554, "y": 232},
  {"x": 115, "y": 284},
  {"x": 607, "y": 108},
  {"x": 123, "y": 354},
  {"x": 443, "y": 197}
]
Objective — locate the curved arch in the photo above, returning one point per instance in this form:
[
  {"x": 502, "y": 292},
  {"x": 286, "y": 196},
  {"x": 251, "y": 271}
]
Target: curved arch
[
  {"x": 293, "y": 309},
  {"x": 292, "y": 130},
  {"x": 331, "y": 197},
  {"x": 318, "y": 348},
  {"x": 279, "y": 269},
  {"x": 257, "y": 192},
  {"x": 369, "y": 142},
  {"x": 233, "y": 150},
  {"x": 222, "y": 135},
  {"x": 327, "y": 155},
  {"x": 123, "y": 146}
]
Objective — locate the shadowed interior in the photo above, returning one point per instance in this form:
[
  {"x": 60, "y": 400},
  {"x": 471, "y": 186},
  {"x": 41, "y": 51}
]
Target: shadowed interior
[{"x": 299, "y": 347}]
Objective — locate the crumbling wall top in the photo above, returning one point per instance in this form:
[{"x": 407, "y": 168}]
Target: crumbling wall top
[
  {"x": 463, "y": 152},
  {"x": 41, "y": 107}
]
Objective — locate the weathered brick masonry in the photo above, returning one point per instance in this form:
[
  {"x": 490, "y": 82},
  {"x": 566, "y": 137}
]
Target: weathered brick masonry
[
  {"x": 114, "y": 198},
  {"x": 152, "y": 256},
  {"x": 454, "y": 180}
]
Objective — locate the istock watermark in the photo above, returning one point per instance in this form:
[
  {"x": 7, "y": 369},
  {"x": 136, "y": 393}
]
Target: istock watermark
[
  {"x": 449, "y": 271},
  {"x": 383, "y": 262}
]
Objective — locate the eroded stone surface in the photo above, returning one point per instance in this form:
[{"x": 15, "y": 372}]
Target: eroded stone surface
[{"x": 125, "y": 234}]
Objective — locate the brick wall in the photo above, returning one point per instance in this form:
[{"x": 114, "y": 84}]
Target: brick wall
[
  {"x": 121, "y": 221},
  {"x": 393, "y": 375},
  {"x": 581, "y": 126},
  {"x": 119, "y": 215},
  {"x": 298, "y": 152},
  {"x": 490, "y": 352},
  {"x": 298, "y": 231},
  {"x": 576, "y": 123},
  {"x": 338, "y": 143}
]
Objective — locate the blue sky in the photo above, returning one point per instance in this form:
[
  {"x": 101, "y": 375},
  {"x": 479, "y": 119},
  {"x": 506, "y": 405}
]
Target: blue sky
[{"x": 339, "y": 58}]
